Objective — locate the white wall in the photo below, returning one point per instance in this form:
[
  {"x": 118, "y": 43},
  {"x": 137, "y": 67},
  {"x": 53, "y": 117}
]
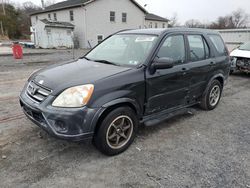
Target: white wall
[
  {"x": 98, "y": 18},
  {"x": 40, "y": 35},
  {"x": 159, "y": 24},
  {"x": 59, "y": 37},
  {"x": 63, "y": 15},
  {"x": 234, "y": 37},
  {"x": 94, "y": 19},
  {"x": 56, "y": 38}
]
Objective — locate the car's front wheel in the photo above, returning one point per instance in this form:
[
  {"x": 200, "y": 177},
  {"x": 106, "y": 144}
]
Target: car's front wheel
[
  {"x": 117, "y": 131},
  {"x": 211, "y": 97}
]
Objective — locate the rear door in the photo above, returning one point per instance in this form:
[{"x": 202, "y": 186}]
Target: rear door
[
  {"x": 200, "y": 64},
  {"x": 221, "y": 55}
]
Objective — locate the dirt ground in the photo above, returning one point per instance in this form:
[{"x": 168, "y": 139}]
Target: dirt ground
[{"x": 203, "y": 149}]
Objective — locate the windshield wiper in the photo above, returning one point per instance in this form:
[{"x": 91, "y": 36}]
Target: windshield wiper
[
  {"x": 84, "y": 57},
  {"x": 105, "y": 62}
]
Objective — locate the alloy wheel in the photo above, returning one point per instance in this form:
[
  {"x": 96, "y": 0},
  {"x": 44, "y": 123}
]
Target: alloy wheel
[
  {"x": 214, "y": 96},
  {"x": 119, "y": 132}
]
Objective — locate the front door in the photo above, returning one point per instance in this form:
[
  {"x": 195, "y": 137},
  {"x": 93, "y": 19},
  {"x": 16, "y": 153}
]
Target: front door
[{"x": 168, "y": 88}]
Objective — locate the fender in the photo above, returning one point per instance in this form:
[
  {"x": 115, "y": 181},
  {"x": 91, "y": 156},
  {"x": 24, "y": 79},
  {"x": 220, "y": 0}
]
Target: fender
[
  {"x": 112, "y": 103},
  {"x": 219, "y": 75},
  {"x": 124, "y": 100}
]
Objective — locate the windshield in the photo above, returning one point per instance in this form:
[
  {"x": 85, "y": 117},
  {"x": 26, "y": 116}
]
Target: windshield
[
  {"x": 123, "y": 50},
  {"x": 245, "y": 46}
]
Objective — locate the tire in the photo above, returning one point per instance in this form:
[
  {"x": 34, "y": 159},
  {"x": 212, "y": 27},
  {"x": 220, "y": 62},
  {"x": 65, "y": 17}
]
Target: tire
[
  {"x": 208, "y": 102},
  {"x": 120, "y": 124}
]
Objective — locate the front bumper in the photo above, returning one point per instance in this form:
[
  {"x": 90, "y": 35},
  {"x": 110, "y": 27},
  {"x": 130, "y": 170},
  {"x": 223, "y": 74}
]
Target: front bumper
[
  {"x": 241, "y": 64},
  {"x": 70, "y": 124}
]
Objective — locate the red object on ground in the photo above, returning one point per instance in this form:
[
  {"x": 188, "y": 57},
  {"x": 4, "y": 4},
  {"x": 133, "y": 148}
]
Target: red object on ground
[{"x": 17, "y": 51}]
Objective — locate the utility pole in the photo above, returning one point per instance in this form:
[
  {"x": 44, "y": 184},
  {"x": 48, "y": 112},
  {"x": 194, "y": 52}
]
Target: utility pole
[
  {"x": 144, "y": 21},
  {"x": 4, "y": 13},
  {"x": 43, "y": 4},
  {"x": 1, "y": 24}
]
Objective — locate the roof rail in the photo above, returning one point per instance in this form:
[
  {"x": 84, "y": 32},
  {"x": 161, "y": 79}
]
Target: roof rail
[{"x": 120, "y": 31}]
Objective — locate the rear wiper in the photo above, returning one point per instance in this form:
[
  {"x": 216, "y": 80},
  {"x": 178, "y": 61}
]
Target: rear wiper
[{"x": 106, "y": 62}]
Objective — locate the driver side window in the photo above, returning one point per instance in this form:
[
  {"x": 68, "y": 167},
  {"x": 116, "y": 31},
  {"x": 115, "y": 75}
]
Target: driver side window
[{"x": 174, "y": 48}]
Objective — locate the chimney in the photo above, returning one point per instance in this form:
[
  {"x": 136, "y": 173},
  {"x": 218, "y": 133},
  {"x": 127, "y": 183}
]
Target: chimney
[{"x": 43, "y": 5}]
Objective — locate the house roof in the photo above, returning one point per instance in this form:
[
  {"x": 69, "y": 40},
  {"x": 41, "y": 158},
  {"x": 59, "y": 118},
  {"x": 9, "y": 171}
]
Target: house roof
[
  {"x": 49, "y": 23},
  {"x": 75, "y": 3},
  {"x": 154, "y": 17}
]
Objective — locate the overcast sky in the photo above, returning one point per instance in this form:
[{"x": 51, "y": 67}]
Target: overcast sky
[{"x": 203, "y": 10}]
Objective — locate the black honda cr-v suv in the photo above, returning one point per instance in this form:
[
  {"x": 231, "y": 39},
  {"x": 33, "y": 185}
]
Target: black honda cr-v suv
[{"x": 133, "y": 77}]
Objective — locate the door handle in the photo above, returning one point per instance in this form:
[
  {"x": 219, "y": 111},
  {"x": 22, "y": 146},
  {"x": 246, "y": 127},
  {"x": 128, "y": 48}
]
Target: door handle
[
  {"x": 184, "y": 69},
  {"x": 212, "y": 63}
]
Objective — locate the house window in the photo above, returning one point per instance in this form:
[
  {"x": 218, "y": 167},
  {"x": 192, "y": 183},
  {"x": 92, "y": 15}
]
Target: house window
[
  {"x": 68, "y": 32},
  {"x": 71, "y": 15},
  {"x": 112, "y": 16},
  {"x": 55, "y": 17},
  {"x": 48, "y": 31},
  {"x": 156, "y": 25},
  {"x": 163, "y": 25},
  {"x": 124, "y": 17},
  {"x": 150, "y": 25},
  {"x": 49, "y": 16},
  {"x": 99, "y": 38}
]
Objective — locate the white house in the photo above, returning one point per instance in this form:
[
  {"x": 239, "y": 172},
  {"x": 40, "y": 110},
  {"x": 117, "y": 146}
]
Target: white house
[
  {"x": 154, "y": 21},
  {"x": 53, "y": 34},
  {"x": 94, "y": 19}
]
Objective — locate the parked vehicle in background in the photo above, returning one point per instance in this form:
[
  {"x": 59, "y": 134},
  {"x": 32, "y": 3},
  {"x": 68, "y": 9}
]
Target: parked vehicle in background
[
  {"x": 133, "y": 77},
  {"x": 240, "y": 58}
]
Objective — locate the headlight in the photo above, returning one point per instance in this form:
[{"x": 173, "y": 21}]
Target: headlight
[{"x": 74, "y": 97}]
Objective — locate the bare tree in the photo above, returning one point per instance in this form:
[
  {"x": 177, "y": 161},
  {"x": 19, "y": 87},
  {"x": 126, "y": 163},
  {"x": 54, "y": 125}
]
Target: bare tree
[
  {"x": 238, "y": 19},
  {"x": 23, "y": 20},
  {"x": 194, "y": 24},
  {"x": 173, "y": 21},
  {"x": 221, "y": 23},
  {"x": 49, "y": 2},
  {"x": 29, "y": 7}
]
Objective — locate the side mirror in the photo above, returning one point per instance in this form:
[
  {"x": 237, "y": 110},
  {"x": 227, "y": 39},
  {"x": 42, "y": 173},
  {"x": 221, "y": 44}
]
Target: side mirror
[{"x": 163, "y": 63}]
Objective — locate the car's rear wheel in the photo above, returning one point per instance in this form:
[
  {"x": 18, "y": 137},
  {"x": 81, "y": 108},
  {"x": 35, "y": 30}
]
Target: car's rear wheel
[
  {"x": 212, "y": 96},
  {"x": 117, "y": 131}
]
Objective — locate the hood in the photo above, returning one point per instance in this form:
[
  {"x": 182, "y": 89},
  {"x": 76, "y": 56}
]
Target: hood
[
  {"x": 75, "y": 73},
  {"x": 240, "y": 53}
]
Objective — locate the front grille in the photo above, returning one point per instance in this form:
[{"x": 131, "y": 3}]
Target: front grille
[
  {"x": 243, "y": 62},
  {"x": 35, "y": 115},
  {"x": 37, "y": 92}
]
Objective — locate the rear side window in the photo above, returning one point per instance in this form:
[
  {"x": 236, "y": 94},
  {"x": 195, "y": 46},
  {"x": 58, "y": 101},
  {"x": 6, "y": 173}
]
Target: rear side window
[
  {"x": 219, "y": 44},
  {"x": 198, "y": 48}
]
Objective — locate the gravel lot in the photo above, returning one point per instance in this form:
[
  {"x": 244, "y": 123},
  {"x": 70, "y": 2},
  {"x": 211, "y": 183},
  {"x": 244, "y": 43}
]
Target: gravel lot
[{"x": 203, "y": 149}]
